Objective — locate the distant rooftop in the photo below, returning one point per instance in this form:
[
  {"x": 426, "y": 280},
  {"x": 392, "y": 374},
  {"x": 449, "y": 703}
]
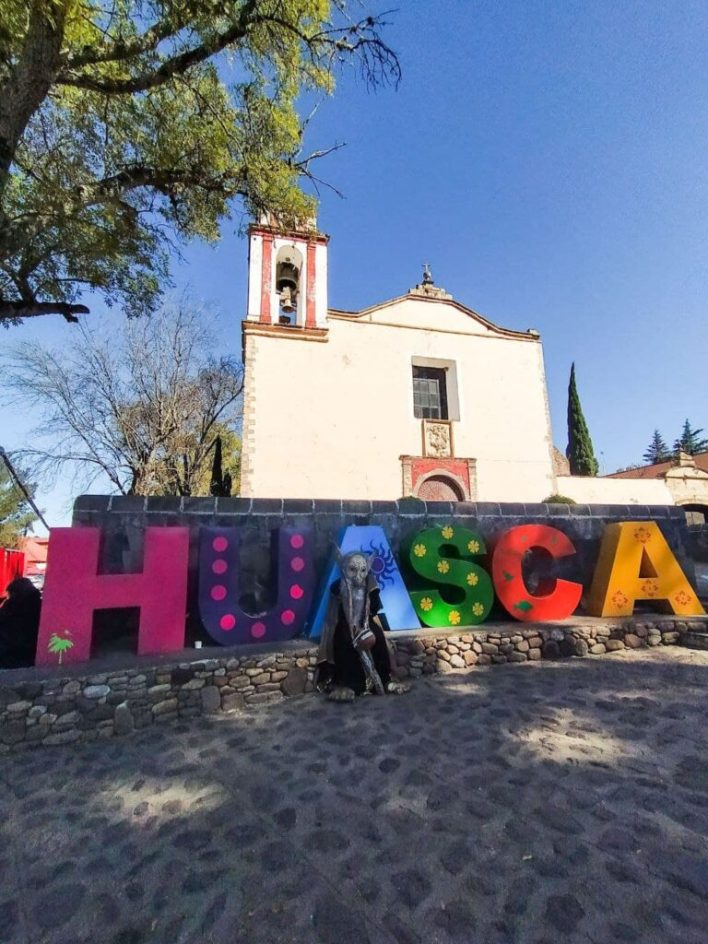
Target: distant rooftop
[{"x": 659, "y": 469}]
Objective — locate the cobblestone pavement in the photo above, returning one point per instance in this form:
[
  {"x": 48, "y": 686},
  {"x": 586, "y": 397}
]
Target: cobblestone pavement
[{"x": 538, "y": 803}]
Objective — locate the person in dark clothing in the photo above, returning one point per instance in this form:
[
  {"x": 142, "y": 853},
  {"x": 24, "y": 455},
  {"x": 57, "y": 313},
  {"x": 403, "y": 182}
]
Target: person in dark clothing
[{"x": 19, "y": 624}]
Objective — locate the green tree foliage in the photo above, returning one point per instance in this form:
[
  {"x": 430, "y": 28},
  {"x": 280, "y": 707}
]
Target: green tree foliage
[
  {"x": 16, "y": 516},
  {"x": 657, "y": 450},
  {"x": 690, "y": 441},
  {"x": 141, "y": 408},
  {"x": 127, "y": 126},
  {"x": 580, "y": 453}
]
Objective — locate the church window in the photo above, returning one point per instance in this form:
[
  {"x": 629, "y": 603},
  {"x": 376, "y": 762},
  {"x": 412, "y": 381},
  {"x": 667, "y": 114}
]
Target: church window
[{"x": 429, "y": 393}]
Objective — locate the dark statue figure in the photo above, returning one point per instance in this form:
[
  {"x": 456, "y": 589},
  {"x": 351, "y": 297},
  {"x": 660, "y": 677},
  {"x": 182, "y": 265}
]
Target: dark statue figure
[{"x": 354, "y": 657}]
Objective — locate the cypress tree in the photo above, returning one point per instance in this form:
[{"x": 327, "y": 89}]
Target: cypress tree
[
  {"x": 220, "y": 483},
  {"x": 689, "y": 441},
  {"x": 579, "y": 453},
  {"x": 657, "y": 450}
]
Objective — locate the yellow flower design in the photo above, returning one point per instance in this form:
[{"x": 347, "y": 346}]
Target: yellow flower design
[
  {"x": 420, "y": 550},
  {"x": 472, "y": 580},
  {"x": 426, "y": 604},
  {"x": 447, "y": 532},
  {"x": 473, "y": 547},
  {"x": 443, "y": 566},
  {"x": 454, "y": 617},
  {"x": 477, "y": 609}
]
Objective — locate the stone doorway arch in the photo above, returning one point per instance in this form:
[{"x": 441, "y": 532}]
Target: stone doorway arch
[{"x": 440, "y": 488}]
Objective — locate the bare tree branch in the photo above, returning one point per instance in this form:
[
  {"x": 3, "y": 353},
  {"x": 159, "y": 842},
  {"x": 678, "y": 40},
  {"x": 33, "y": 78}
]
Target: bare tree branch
[{"x": 142, "y": 410}]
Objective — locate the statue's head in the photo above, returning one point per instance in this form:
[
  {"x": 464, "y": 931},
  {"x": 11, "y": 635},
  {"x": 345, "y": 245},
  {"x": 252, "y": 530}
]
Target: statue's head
[{"x": 355, "y": 568}]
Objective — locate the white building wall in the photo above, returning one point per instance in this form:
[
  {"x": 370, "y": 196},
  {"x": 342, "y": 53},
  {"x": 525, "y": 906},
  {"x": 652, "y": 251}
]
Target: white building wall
[
  {"x": 332, "y": 419},
  {"x": 599, "y": 491}
]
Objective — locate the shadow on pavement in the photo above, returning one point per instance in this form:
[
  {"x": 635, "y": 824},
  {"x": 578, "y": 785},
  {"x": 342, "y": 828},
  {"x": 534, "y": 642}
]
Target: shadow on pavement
[{"x": 538, "y": 803}]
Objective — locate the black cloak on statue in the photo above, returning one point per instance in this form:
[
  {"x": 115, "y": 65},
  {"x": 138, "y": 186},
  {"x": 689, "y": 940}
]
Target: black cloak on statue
[{"x": 338, "y": 662}]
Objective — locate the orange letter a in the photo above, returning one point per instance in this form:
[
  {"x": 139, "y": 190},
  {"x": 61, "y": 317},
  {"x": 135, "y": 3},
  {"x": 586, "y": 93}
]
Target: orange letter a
[{"x": 636, "y": 563}]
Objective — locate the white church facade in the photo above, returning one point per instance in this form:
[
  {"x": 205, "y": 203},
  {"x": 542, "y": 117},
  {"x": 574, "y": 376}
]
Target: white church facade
[{"x": 418, "y": 395}]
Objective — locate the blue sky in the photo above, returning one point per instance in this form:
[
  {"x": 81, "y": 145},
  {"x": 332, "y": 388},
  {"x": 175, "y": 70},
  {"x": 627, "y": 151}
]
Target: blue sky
[{"x": 550, "y": 160}]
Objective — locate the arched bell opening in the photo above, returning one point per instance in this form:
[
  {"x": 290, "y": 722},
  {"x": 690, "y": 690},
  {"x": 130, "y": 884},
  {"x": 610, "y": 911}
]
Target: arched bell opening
[{"x": 289, "y": 275}]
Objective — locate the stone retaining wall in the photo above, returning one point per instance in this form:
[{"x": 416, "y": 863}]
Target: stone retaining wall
[{"x": 36, "y": 709}]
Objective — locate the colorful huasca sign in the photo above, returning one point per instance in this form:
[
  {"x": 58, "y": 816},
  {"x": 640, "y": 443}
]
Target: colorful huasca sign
[{"x": 453, "y": 577}]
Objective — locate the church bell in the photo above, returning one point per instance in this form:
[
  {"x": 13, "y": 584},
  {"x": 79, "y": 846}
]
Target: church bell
[{"x": 286, "y": 284}]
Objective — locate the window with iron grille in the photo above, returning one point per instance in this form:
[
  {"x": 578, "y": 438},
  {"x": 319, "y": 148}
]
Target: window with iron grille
[{"x": 429, "y": 393}]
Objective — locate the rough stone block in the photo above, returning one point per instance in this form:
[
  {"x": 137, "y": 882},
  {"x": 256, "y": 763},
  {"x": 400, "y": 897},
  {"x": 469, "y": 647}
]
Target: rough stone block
[
  {"x": 294, "y": 682},
  {"x": 580, "y": 648},
  {"x": 123, "y": 722},
  {"x": 62, "y": 737},
  {"x": 264, "y": 698},
  {"x": 19, "y": 707},
  {"x": 211, "y": 699},
  {"x": 232, "y": 702},
  {"x": 96, "y": 691},
  {"x": 66, "y": 719},
  {"x": 164, "y": 707}
]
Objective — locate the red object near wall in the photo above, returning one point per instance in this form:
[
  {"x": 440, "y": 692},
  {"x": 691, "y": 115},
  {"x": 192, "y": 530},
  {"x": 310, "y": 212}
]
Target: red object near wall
[
  {"x": 12, "y": 565},
  {"x": 73, "y": 590},
  {"x": 556, "y": 599}
]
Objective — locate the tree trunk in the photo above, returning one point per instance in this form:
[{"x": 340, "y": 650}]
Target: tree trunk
[{"x": 29, "y": 82}]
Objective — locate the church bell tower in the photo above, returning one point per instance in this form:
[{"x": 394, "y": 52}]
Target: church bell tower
[{"x": 287, "y": 277}]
